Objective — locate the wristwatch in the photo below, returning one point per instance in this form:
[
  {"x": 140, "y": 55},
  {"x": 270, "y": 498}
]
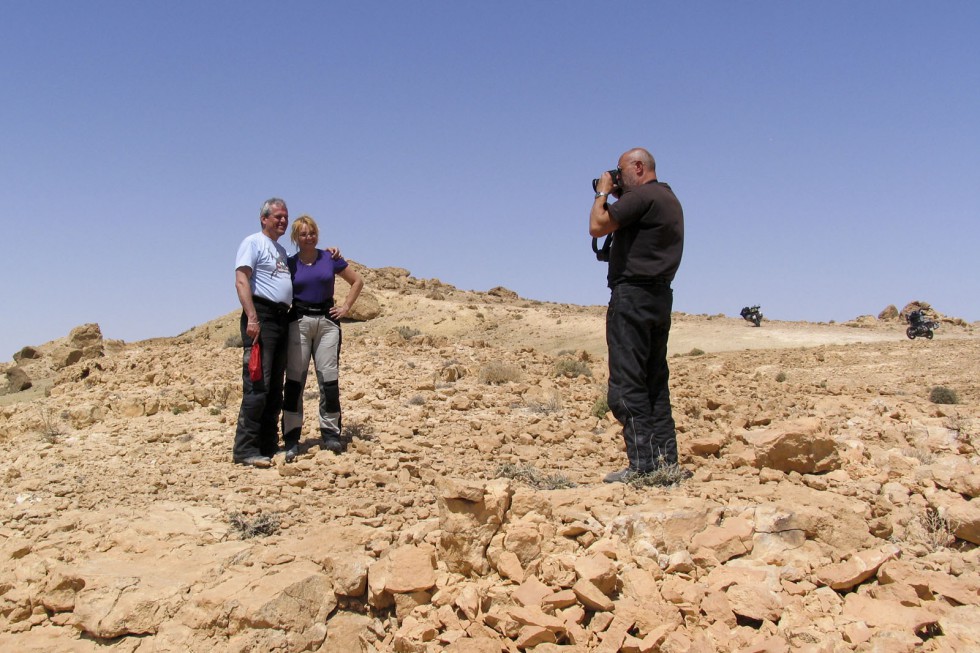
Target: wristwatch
[{"x": 598, "y": 195}]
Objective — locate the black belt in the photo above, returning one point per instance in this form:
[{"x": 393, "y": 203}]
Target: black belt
[
  {"x": 278, "y": 307},
  {"x": 644, "y": 281},
  {"x": 310, "y": 308}
]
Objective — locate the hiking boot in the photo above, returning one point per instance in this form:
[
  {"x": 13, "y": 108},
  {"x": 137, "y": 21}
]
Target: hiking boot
[
  {"x": 331, "y": 442},
  {"x": 254, "y": 461},
  {"x": 622, "y": 476},
  {"x": 291, "y": 452}
]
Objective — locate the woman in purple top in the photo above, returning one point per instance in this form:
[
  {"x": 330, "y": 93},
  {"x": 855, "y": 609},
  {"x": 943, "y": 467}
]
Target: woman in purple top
[{"x": 314, "y": 330}]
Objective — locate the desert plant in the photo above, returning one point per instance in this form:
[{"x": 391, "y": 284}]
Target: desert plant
[
  {"x": 547, "y": 406},
  {"x": 408, "y": 332},
  {"x": 495, "y": 373},
  {"x": 695, "y": 352},
  {"x": 354, "y": 430},
  {"x": 936, "y": 531},
  {"x": 780, "y": 377},
  {"x": 260, "y": 525},
  {"x": 571, "y": 368},
  {"x": 664, "y": 476},
  {"x": 940, "y": 394},
  {"x": 51, "y": 429},
  {"x": 600, "y": 407},
  {"x": 526, "y": 473},
  {"x": 921, "y": 454},
  {"x": 234, "y": 341},
  {"x": 416, "y": 400}
]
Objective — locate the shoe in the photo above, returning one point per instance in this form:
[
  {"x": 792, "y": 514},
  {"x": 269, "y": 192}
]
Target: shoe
[
  {"x": 622, "y": 476},
  {"x": 291, "y": 452},
  {"x": 255, "y": 461},
  {"x": 331, "y": 442}
]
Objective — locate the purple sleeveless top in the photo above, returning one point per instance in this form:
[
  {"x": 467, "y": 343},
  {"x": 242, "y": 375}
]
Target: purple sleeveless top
[{"x": 314, "y": 283}]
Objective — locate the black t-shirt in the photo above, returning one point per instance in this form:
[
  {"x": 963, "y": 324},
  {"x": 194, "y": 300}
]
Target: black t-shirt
[{"x": 648, "y": 245}]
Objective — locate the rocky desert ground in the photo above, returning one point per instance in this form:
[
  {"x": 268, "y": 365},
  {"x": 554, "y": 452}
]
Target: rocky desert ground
[{"x": 833, "y": 505}]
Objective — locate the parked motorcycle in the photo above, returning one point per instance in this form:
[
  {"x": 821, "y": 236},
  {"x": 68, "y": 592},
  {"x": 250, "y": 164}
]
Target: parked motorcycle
[
  {"x": 752, "y": 314},
  {"x": 920, "y": 326}
]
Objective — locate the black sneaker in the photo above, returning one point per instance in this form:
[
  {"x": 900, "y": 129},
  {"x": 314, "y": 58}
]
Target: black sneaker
[{"x": 291, "y": 452}]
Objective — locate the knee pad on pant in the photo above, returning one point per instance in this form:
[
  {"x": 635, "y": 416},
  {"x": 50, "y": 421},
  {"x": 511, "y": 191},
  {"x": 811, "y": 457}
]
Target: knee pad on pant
[
  {"x": 290, "y": 395},
  {"x": 330, "y": 392}
]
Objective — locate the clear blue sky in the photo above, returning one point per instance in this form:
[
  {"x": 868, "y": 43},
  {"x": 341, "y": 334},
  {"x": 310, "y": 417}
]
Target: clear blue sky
[{"x": 827, "y": 154}]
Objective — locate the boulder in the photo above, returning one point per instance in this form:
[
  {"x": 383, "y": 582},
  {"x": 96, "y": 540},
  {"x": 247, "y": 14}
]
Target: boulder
[
  {"x": 367, "y": 307},
  {"x": 890, "y": 312},
  {"x": 17, "y": 379},
  {"x": 470, "y": 514},
  {"x": 27, "y": 353},
  {"x": 795, "y": 446},
  {"x": 857, "y": 568}
]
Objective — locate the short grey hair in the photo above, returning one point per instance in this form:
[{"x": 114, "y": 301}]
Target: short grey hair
[{"x": 269, "y": 204}]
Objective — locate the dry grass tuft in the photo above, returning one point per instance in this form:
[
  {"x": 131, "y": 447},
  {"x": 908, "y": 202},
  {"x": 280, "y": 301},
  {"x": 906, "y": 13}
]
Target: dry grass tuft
[
  {"x": 527, "y": 474},
  {"x": 495, "y": 373},
  {"x": 51, "y": 427},
  {"x": 572, "y": 368},
  {"x": 943, "y": 395},
  {"x": 666, "y": 476},
  {"x": 261, "y": 525},
  {"x": 357, "y": 431},
  {"x": 547, "y": 406}
]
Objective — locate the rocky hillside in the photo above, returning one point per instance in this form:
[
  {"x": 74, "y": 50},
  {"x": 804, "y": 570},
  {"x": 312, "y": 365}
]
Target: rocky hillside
[{"x": 832, "y": 508}]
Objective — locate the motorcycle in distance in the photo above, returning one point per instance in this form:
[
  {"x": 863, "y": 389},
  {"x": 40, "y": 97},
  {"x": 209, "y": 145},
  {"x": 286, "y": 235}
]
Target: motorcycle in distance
[
  {"x": 752, "y": 314},
  {"x": 920, "y": 327}
]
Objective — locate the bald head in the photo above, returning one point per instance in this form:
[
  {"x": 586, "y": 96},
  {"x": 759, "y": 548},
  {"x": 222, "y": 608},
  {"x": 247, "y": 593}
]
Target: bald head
[{"x": 638, "y": 167}]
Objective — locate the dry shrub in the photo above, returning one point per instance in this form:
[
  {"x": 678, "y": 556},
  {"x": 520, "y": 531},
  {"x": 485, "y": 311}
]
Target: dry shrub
[
  {"x": 526, "y": 473},
  {"x": 51, "y": 427},
  {"x": 943, "y": 395},
  {"x": 495, "y": 373},
  {"x": 600, "y": 407},
  {"x": 932, "y": 530},
  {"x": 547, "y": 406},
  {"x": 665, "y": 476},
  {"x": 354, "y": 430},
  {"x": 572, "y": 368},
  {"x": 261, "y": 525},
  {"x": 408, "y": 332}
]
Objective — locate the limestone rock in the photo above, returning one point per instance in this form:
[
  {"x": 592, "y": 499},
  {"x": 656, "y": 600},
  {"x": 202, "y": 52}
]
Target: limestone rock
[
  {"x": 856, "y": 569},
  {"x": 890, "y": 312},
  {"x": 796, "y": 446},
  {"x": 470, "y": 514},
  {"x": 17, "y": 379}
]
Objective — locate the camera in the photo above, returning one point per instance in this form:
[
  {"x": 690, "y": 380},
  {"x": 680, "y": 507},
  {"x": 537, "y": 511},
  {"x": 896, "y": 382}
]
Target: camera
[
  {"x": 602, "y": 253},
  {"x": 617, "y": 179}
]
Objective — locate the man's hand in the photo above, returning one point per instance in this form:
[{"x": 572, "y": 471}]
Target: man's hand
[
  {"x": 252, "y": 330},
  {"x": 605, "y": 184},
  {"x": 334, "y": 252}
]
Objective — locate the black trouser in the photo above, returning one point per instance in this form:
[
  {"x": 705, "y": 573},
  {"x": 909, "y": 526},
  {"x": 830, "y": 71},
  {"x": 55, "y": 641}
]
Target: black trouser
[
  {"x": 637, "y": 326},
  {"x": 258, "y": 419}
]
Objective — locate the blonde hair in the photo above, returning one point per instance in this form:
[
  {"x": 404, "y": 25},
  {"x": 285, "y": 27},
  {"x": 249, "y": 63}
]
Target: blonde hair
[{"x": 303, "y": 221}]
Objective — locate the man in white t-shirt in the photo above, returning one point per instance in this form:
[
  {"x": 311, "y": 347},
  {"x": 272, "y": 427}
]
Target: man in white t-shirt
[{"x": 265, "y": 291}]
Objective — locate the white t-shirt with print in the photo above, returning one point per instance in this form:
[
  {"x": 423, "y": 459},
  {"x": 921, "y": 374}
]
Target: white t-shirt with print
[{"x": 270, "y": 272}]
